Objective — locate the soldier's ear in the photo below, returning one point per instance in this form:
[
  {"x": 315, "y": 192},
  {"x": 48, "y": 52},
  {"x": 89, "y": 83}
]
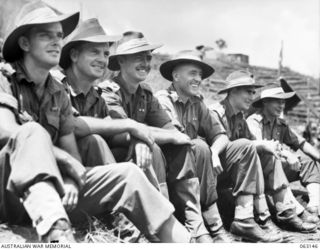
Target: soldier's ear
[
  {"x": 24, "y": 43},
  {"x": 175, "y": 75},
  {"x": 74, "y": 54},
  {"x": 120, "y": 59}
]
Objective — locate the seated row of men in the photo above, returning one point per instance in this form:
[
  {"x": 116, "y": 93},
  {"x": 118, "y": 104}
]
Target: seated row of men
[{"x": 67, "y": 147}]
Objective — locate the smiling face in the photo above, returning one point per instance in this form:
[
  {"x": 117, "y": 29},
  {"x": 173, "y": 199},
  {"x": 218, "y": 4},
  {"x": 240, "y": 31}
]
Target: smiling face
[
  {"x": 90, "y": 59},
  {"x": 187, "y": 79},
  {"x": 273, "y": 107},
  {"x": 135, "y": 67},
  {"x": 242, "y": 97},
  {"x": 42, "y": 44}
]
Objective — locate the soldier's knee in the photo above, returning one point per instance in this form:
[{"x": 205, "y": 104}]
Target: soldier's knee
[
  {"x": 248, "y": 146},
  {"x": 93, "y": 140},
  {"x": 201, "y": 147},
  {"x": 33, "y": 129}
]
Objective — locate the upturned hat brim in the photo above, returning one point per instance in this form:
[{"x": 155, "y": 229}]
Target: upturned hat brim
[
  {"x": 167, "y": 67},
  {"x": 283, "y": 96},
  {"x": 11, "y": 50},
  {"x": 113, "y": 61},
  {"x": 65, "y": 57},
  {"x": 225, "y": 90}
]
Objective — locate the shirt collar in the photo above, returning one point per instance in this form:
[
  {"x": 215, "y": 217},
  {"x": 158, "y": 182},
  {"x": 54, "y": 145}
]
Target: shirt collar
[
  {"x": 22, "y": 75},
  {"x": 125, "y": 95},
  {"x": 229, "y": 111},
  {"x": 176, "y": 98},
  {"x": 267, "y": 120},
  {"x": 74, "y": 92}
]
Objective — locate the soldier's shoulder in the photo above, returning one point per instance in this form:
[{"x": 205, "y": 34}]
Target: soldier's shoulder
[
  {"x": 163, "y": 93},
  {"x": 283, "y": 121},
  {"x": 109, "y": 86},
  {"x": 255, "y": 117},
  {"x": 146, "y": 87},
  {"x": 217, "y": 107}
]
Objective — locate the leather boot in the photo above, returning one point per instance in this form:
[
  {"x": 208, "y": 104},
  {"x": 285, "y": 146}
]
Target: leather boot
[
  {"x": 222, "y": 236},
  {"x": 206, "y": 238},
  {"x": 306, "y": 216},
  {"x": 249, "y": 230},
  {"x": 60, "y": 232},
  {"x": 290, "y": 221}
]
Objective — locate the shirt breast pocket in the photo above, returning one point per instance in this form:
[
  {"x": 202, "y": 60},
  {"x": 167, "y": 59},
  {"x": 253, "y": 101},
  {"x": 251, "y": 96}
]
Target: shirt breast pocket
[
  {"x": 193, "y": 128},
  {"x": 53, "y": 119}
]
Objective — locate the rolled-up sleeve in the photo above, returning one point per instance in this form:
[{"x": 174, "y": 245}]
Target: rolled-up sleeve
[
  {"x": 6, "y": 97},
  {"x": 114, "y": 104},
  {"x": 210, "y": 126},
  {"x": 255, "y": 127},
  {"x": 292, "y": 139},
  {"x": 66, "y": 116},
  {"x": 156, "y": 115}
]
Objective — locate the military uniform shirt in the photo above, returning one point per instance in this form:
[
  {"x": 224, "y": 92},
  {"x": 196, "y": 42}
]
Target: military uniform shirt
[
  {"x": 90, "y": 104},
  {"x": 274, "y": 130},
  {"x": 141, "y": 106},
  {"x": 235, "y": 124},
  {"x": 192, "y": 117},
  {"x": 53, "y": 111}
]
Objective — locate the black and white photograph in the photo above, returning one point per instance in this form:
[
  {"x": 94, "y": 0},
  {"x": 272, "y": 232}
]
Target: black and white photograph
[{"x": 159, "y": 121}]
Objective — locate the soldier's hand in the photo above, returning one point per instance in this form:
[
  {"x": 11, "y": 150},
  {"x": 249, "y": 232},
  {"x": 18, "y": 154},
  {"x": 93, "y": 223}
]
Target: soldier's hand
[
  {"x": 72, "y": 168},
  {"x": 70, "y": 199},
  {"x": 143, "y": 155},
  {"x": 216, "y": 163},
  {"x": 292, "y": 160},
  {"x": 179, "y": 138},
  {"x": 142, "y": 132}
]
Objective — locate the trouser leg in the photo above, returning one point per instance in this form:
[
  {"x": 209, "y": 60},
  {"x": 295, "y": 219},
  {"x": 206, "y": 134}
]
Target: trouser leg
[
  {"x": 309, "y": 172},
  {"x": 276, "y": 182},
  {"x": 26, "y": 161},
  {"x": 208, "y": 184},
  {"x": 184, "y": 186},
  {"x": 242, "y": 165},
  {"x": 123, "y": 188},
  {"x": 94, "y": 151},
  {"x": 156, "y": 173},
  {"x": 242, "y": 168}
]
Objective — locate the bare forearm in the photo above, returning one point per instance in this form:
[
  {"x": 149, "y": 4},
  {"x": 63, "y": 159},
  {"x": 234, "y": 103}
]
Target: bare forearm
[
  {"x": 62, "y": 157},
  {"x": 311, "y": 151},
  {"x": 220, "y": 144},
  {"x": 162, "y": 136},
  {"x": 68, "y": 143},
  {"x": 86, "y": 125}
]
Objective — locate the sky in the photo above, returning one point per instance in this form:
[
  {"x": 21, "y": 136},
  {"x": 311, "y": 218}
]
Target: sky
[{"x": 252, "y": 27}]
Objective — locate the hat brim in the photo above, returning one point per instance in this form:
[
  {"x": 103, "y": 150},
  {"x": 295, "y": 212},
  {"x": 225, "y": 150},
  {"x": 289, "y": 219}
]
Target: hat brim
[
  {"x": 167, "y": 68},
  {"x": 65, "y": 57},
  {"x": 225, "y": 90},
  {"x": 11, "y": 50},
  {"x": 113, "y": 61},
  {"x": 282, "y": 96}
]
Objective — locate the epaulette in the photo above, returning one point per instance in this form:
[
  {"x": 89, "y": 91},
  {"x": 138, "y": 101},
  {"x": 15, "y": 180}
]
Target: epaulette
[
  {"x": 6, "y": 69},
  {"x": 217, "y": 107},
  {"x": 162, "y": 92},
  {"x": 282, "y": 121},
  {"x": 98, "y": 89},
  {"x": 58, "y": 75},
  {"x": 110, "y": 85},
  {"x": 256, "y": 116},
  {"x": 146, "y": 86}
]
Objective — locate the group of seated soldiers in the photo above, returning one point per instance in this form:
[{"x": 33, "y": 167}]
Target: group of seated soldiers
[{"x": 71, "y": 144}]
